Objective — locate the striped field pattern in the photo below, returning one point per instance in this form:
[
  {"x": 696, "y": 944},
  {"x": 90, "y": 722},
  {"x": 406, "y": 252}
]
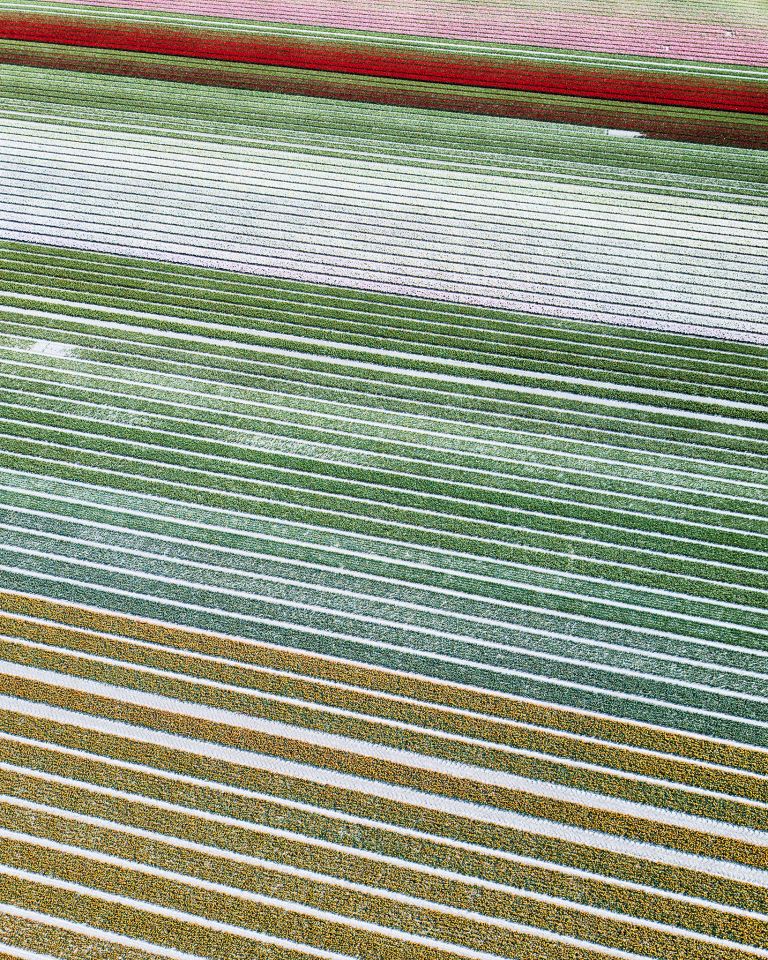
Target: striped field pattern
[
  {"x": 723, "y": 32},
  {"x": 383, "y": 522},
  {"x": 711, "y": 55},
  {"x": 719, "y": 31}
]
